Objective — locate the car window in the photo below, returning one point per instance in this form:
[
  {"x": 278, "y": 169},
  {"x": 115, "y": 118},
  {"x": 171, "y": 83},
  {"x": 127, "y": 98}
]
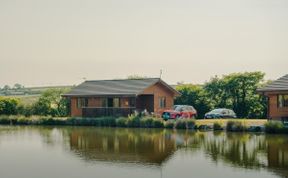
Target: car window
[
  {"x": 224, "y": 111},
  {"x": 216, "y": 111},
  {"x": 178, "y": 108}
]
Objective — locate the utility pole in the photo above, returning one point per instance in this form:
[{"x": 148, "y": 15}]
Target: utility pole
[{"x": 160, "y": 73}]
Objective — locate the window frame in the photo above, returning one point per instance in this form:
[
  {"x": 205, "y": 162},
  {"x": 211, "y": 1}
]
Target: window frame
[
  {"x": 82, "y": 102},
  {"x": 282, "y": 100},
  {"x": 162, "y": 102}
]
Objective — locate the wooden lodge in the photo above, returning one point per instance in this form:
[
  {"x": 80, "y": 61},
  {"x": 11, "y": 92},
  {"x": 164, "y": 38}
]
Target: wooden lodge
[{"x": 120, "y": 97}]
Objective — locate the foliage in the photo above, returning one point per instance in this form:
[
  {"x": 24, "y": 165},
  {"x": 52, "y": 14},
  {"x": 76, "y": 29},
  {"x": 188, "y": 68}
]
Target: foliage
[
  {"x": 185, "y": 124},
  {"x": 236, "y": 126},
  {"x": 169, "y": 124},
  {"x": 275, "y": 127},
  {"x": 135, "y": 76},
  {"x": 217, "y": 126},
  {"x": 196, "y": 96},
  {"x": 238, "y": 91},
  {"x": 121, "y": 122},
  {"x": 8, "y": 106},
  {"x": 133, "y": 121},
  {"x": 51, "y": 103}
]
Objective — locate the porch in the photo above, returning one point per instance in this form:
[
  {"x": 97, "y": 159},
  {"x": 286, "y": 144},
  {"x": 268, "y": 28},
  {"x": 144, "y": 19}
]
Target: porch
[{"x": 117, "y": 106}]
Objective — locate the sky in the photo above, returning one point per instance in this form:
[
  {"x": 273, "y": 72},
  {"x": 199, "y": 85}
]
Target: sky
[{"x": 63, "y": 42}]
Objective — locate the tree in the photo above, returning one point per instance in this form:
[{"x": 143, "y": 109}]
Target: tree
[
  {"x": 51, "y": 103},
  {"x": 17, "y": 86},
  {"x": 6, "y": 89},
  {"x": 8, "y": 106},
  {"x": 194, "y": 95},
  {"x": 136, "y": 77},
  {"x": 238, "y": 91}
]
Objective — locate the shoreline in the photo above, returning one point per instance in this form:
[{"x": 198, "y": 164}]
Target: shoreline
[{"x": 228, "y": 125}]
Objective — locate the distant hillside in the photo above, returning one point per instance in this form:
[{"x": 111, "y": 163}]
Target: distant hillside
[{"x": 23, "y": 91}]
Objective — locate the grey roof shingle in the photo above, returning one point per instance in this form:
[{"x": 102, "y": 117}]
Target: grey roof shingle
[
  {"x": 280, "y": 84},
  {"x": 112, "y": 87}
]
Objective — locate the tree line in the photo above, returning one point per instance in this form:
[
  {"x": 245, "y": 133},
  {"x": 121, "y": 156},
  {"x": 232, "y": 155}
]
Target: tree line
[{"x": 236, "y": 91}]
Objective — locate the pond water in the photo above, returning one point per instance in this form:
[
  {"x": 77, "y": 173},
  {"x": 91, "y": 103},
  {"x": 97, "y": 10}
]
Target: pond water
[{"x": 75, "y": 152}]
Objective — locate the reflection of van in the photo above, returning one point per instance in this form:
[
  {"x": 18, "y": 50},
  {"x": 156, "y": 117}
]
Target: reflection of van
[
  {"x": 220, "y": 113},
  {"x": 180, "y": 111}
]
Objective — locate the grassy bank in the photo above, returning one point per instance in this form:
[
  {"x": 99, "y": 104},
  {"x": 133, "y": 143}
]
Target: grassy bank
[
  {"x": 234, "y": 125},
  {"x": 133, "y": 122}
]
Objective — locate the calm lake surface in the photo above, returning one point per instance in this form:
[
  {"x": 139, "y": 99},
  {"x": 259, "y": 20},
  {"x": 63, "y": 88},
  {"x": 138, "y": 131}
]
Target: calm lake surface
[{"x": 75, "y": 152}]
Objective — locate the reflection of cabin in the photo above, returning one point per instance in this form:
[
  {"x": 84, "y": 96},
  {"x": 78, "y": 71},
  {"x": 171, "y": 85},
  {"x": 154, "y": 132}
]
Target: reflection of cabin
[
  {"x": 120, "y": 97},
  {"x": 277, "y": 93},
  {"x": 122, "y": 145}
]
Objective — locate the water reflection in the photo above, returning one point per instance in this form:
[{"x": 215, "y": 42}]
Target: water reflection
[
  {"x": 157, "y": 148},
  {"x": 123, "y": 145}
]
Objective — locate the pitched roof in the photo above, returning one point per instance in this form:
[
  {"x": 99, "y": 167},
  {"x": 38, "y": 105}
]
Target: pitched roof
[
  {"x": 114, "y": 87},
  {"x": 280, "y": 84}
]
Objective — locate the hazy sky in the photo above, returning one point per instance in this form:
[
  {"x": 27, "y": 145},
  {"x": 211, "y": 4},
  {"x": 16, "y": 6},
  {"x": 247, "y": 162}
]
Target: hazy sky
[{"x": 52, "y": 42}]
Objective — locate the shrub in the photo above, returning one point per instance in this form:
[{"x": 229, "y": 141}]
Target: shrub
[
  {"x": 133, "y": 121},
  {"x": 108, "y": 121},
  {"x": 157, "y": 123},
  {"x": 236, "y": 126},
  {"x": 8, "y": 106},
  {"x": 121, "y": 122},
  {"x": 185, "y": 124},
  {"x": 275, "y": 127},
  {"x": 51, "y": 121},
  {"x": 169, "y": 124},
  {"x": 217, "y": 126},
  {"x": 4, "y": 120},
  {"x": 146, "y": 122}
]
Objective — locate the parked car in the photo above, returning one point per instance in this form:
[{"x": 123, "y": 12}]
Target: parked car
[
  {"x": 220, "y": 113},
  {"x": 180, "y": 111}
]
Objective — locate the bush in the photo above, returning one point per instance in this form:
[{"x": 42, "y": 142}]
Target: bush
[
  {"x": 217, "y": 126},
  {"x": 275, "y": 127},
  {"x": 185, "y": 124},
  {"x": 121, "y": 122},
  {"x": 146, "y": 122},
  {"x": 108, "y": 121},
  {"x": 236, "y": 126},
  {"x": 169, "y": 124},
  {"x": 8, "y": 106},
  {"x": 4, "y": 120},
  {"x": 157, "y": 123},
  {"x": 133, "y": 121}
]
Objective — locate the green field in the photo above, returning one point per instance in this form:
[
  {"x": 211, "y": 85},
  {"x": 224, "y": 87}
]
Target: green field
[{"x": 25, "y": 99}]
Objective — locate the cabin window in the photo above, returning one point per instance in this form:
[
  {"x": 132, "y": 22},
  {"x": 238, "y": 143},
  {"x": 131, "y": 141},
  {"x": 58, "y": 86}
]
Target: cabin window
[
  {"x": 282, "y": 101},
  {"x": 82, "y": 102},
  {"x": 104, "y": 102},
  {"x": 162, "y": 102},
  {"x": 113, "y": 102},
  {"x": 132, "y": 102}
]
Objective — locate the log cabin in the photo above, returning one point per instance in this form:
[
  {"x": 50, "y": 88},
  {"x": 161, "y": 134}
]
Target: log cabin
[{"x": 98, "y": 98}]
